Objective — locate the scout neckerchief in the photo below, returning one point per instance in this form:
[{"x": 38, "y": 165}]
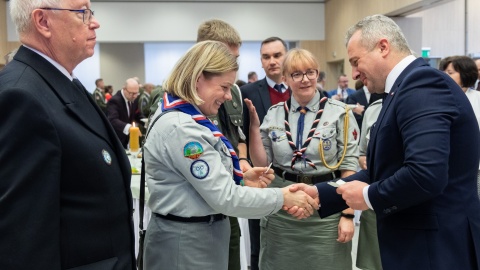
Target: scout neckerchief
[
  {"x": 174, "y": 103},
  {"x": 298, "y": 154}
]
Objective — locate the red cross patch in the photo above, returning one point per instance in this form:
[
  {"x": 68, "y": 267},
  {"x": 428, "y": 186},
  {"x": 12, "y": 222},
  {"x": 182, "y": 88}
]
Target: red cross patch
[{"x": 354, "y": 133}]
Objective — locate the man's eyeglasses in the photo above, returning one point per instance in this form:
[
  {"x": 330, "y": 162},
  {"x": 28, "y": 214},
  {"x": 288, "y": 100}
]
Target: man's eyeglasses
[
  {"x": 311, "y": 75},
  {"x": 131, "y": 93},
  {"x": 87, "y": 13}
]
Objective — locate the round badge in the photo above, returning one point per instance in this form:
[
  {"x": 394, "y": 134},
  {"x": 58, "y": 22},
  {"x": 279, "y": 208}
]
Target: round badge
[
  {"x": 327, "y": 144},
  {"x": 199, "y": 169},
  {"x": 192, "y": 150},
  {"x": 106, "y": 157}
]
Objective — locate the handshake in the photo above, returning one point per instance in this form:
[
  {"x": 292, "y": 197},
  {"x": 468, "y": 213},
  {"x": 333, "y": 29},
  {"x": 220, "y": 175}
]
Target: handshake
[{"x": 299, "y": 200}]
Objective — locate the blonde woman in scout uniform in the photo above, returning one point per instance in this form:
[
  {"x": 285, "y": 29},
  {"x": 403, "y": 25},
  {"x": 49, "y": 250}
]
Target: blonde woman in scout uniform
[
  {"x": 327, "y": 148},
  {"x": 193, "y": 173}
]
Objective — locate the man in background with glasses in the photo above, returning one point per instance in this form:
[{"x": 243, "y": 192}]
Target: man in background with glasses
[
  {"x": 123, "y": 111},
  {"x": 65, "y": 179}
]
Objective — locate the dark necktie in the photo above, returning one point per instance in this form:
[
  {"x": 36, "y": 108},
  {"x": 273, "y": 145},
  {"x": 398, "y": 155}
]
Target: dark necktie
[
  {"x": 78, "y": 84},
  {"x": 300, "y": 125},
  {"x": 130, "y": 108},
  {"x": 478, "y": 86},
  {"x": 278, "y": 87}
]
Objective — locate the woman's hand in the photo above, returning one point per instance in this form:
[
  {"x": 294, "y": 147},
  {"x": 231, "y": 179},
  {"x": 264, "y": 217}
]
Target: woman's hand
[
  {"x": 254, "y": 120},
  {"x": 346, "y": 229},
  {"x": 258, "y": 177}
]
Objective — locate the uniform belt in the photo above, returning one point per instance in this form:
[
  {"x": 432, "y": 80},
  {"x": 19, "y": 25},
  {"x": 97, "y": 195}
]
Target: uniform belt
[
  {"x": 306, "y": 178},
  {"x": 209, "y": 218}
]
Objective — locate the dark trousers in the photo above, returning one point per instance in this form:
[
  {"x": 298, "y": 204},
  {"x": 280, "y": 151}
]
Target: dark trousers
[
  {"x": 234, "y": 246},
  {"x": 254, "y": 228}
]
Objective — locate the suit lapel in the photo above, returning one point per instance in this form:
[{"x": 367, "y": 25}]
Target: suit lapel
[
  {"x": 63, "y": 88},
  {"x": 264, "y": 96},
  {"x": 384, "y": 111}
]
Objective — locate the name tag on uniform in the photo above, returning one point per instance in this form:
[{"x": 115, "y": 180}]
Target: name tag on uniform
[{"x": 337, "y": 183}]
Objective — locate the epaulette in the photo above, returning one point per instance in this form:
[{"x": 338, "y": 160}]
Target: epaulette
[{"x": 337, "y": 103}]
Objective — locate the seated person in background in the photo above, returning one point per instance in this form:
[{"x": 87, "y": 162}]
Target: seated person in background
[
  {"x": 122, "y": 110},
  {"x": 342, "y": 92}
]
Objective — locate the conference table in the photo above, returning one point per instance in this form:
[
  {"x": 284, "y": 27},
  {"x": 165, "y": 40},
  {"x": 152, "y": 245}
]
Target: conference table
[{"x": 135, "y": 188}]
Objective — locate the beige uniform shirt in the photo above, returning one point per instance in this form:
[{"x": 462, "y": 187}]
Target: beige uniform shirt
[{"x": 330, "y": 130}]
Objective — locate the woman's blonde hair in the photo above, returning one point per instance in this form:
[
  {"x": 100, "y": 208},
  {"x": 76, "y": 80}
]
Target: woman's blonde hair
[
  {"x": 210, "y": 58},
  {"x": 297, "y": 58}
]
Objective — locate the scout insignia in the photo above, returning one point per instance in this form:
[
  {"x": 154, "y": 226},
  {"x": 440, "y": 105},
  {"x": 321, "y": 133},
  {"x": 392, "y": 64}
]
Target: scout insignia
[
  {"x": 274, "y": 136},
  {"x": 106, "y": 157},
  {"x": 192, "y": 150},
  {"x": 325, "y": 124},
  {"x": 327, "y": 144},
  {"x": 355, "y": 134},
  {"x": 215, "y": 122},
  {"x": 199, "y": 169}
]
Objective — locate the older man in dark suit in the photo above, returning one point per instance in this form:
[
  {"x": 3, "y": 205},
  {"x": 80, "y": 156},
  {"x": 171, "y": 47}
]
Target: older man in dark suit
[
  {"x": 65, "y": 179},
  {"x": 123, "y": 110},
  {"x": 421, "y": 168}
]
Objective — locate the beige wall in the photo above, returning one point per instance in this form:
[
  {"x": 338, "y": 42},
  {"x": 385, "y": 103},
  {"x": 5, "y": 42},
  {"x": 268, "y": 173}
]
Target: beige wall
[
  {"x": 119, "y": 62},
  {"x": 352, "y": 11},
  {"x": 317, "y": 47},
  {"x": 5, "y": 46}
]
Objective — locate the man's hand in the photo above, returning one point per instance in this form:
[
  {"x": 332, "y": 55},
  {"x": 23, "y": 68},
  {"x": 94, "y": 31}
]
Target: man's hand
[
  {"x": 352, "y": 193},
  {"x": 303, "y": 204},
  {"x": 359, "y": 109},
  {"x": 295, "y": 210},
  {"x": 258, "y": 177}
]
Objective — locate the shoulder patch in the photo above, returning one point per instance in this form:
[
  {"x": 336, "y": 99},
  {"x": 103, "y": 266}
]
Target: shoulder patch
[
  {"x": 199, "y": 169},
  {"x": 276, "y": 106},
  {"x": 192, "y": 150}
]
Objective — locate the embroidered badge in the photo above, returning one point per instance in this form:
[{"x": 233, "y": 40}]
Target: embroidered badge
[
  {"x": 106, "y": 157},
  {"x": 355, "y": 134},
  {"x": 193, "y": 150},
  {"x": 199, "y": 169},
  {"x": 327, "y": 145},
  {"x": 274, "y": 136},
  {"x": 325, "y": 124}
]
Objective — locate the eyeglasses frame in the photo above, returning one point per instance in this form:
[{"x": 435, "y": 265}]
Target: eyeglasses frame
[
  {"x": 83, "y": 11},
  {"x": 304, "y": 74}
]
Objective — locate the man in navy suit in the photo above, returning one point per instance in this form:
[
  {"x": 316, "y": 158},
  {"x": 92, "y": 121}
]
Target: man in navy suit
[
  {"x": 342, "y": 92},
  {"x": 65, "y": 199},
  {"x": 263, "y": 94},
  {"x": 422, "y": 157},
  {"x": 123, "y": 111}
]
